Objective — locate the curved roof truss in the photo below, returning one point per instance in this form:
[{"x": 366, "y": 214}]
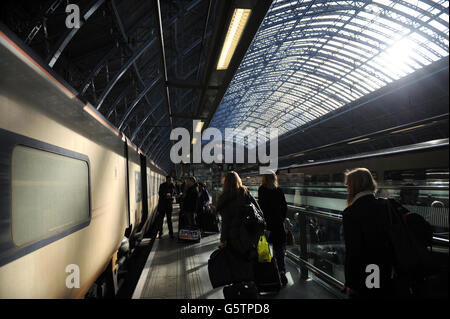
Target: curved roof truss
[{"x": 310, "y": 58}]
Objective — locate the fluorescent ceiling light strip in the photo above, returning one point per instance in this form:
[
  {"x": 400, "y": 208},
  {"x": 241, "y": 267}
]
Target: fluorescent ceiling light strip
[
  {"x": 359, "y": 141},
  {"x": 234, "y": 33},
  {"x": 198, "y": 127},
  {"x": 407, "y": 129}
]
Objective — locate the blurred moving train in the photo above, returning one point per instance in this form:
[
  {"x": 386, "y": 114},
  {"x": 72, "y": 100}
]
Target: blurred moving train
[
  {"x": 74, "y": 191},
  {"x": 416, "y": 175}
]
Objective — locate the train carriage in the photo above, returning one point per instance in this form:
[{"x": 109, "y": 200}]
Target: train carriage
[{"x": 71, "y": 187}]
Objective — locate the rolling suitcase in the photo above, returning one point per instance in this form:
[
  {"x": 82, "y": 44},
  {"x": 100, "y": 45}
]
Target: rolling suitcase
[
  {"x": 208, "y": 221},
  {"x": 218, "y": 268},
  {"x": 225, "y": 268},
  {"x": 267, "y": 277},
  {"x": 188, "y": 232},
  {"x": 242, "y": 290}
]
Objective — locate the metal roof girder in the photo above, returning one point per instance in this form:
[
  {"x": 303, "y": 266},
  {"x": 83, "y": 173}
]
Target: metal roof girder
[
  {"x": 158, "y": 104},
  {"x": 119, "y": 98},
  {"x": 151, "y": 130},
  {"x": 123, "y": 70},
  {"x": 96, "y": 70},
  {"x": 70, "y": 33},
  {"x": 132, "y": 106},
  {"x": 37, "y": 22}
]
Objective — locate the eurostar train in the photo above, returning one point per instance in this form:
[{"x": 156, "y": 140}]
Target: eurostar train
[{"x": 76, "y": 195}]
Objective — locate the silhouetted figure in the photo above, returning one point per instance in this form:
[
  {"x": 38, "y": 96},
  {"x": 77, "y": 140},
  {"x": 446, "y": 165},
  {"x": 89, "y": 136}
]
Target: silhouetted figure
[
  {"x": 166, "y": 194},
  {"x": 273, "y": 204}
]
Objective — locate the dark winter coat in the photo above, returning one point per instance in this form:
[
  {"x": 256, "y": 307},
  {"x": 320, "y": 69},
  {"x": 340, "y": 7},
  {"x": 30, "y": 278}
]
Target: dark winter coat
[
  {"x": 274, "y": 207},
  {"x": 233, "y": 231},
  {"x": 190, "y": 202},
  {"x": 366, "y": 242},
  {"x": 165, "y": 204}
]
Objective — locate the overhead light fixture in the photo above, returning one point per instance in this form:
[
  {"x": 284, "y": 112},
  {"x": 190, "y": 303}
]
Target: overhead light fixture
[
  {"x": 299, "y": 154},
  {"x": 359, "y": 141},
  {"x": 198, "y": 126},
  {"x": 234, "y": 33},
  {"x": 408, "y": 129}
]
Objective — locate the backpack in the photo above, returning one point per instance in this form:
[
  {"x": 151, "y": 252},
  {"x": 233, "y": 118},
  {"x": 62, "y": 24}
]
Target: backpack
[
  {"x": 251, "y": 226},
  {"x": 409, "y": 235}
]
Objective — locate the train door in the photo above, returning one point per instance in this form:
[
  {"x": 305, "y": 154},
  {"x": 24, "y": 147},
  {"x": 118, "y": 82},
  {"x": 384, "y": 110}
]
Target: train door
[
  {"x": 135, "y": 188},
  {"x": 144, "y": 193}
]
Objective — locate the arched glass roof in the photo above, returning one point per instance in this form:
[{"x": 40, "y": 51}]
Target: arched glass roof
[{"x": 312, "y": 57}]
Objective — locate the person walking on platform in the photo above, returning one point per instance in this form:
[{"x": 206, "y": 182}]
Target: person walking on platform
[
  {"x": 190, "y": 201},
  {"x": 385, "y": 244},
  {"x": 166, "y": 195},
  {"x": 366, "y": 240},
  {"x": 236, "y": 239},
  {"x": 204, "y": 196},
  {"x": 273, "y": 204},
  {"x": 234, "y": 196},
  {"x": 205, "y": 217},
  {"x": 179, "y": 191}
]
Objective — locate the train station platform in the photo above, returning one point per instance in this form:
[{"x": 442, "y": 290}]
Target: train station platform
[
  {"x": 179, "y": 270},
  {"x": 110, "y": 108}
]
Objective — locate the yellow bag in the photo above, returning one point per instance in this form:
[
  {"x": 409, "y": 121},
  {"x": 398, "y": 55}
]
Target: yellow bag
[{"x": 263, "y": 250}]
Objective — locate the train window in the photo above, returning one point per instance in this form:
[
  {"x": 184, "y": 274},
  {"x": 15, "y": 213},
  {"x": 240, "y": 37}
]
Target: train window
[
  {"x": 431, "y": 176},
  {"x": 308, "y": 179},
  {"x": 375, "y": 175},
  {"x": 154, "y": 185},
  {"x": 50, "y": 194},
  {"x": 405, "y": 175},
  {"x": 322, "y": 178},
  {"x": 338, "y": 178},
  {"x": 436, "y": 175},
  {"x": 137, "y": 186}
]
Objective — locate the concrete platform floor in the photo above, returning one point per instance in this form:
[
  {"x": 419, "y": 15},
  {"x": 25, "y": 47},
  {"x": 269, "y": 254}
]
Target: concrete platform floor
[{"x": 179, "y": 270}]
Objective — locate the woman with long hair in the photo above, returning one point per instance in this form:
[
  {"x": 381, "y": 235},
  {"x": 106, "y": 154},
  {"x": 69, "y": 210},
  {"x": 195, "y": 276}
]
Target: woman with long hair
[
  {"x": 239, "y": 242},
  {"x": 360, "y": 182},
  {"x": 273, "y": 204},
  {"x": 234, "y": 195},
  {"x": 366, "y": 241}
]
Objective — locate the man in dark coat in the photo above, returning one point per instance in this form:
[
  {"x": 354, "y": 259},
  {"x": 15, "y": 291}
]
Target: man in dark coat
[
  {"x": 166, "y": 195},
  {"x": 190, "y": 201}
]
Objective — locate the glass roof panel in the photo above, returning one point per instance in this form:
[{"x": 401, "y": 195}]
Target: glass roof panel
[{"x": 313, "y": 57}]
